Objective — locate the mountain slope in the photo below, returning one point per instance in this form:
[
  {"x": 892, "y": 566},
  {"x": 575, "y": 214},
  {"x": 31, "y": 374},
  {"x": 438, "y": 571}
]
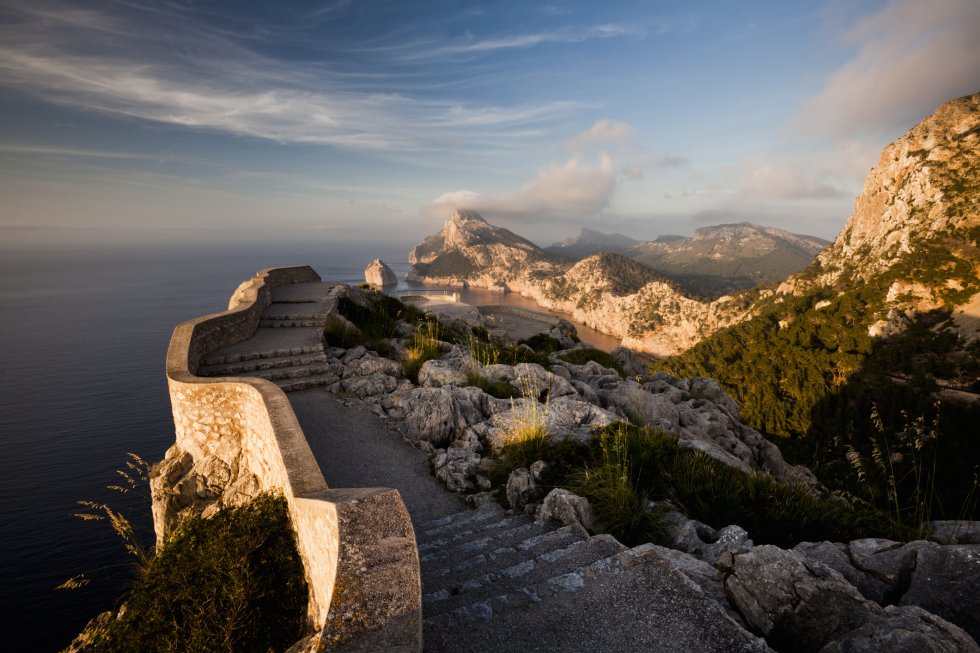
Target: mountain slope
[
  {"x": 729, "y": 258},
  {"x": 848, "y": 356},
  {"x": 717, "y": 260},
  {"x": 589, "y": 242}
]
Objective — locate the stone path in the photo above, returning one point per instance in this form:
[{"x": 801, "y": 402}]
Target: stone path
[{"x": 491, "y": 581}]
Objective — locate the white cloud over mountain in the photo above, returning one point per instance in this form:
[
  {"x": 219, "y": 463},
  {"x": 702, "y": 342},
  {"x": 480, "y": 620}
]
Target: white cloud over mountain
[{"x": 573, "y": 188}]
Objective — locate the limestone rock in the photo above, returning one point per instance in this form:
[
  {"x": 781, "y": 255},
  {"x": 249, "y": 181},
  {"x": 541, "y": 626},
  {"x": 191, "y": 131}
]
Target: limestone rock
[
  {"x": 797, "y": 604},
  {"x": 521, "y": 489},
  {"x": 904, "y": 630},
  {"x": 562, "y": 506},
  {"x": 945, "y": 581},
  {"x": 439, "y": 373},
  {"x": 456, "y": 468},
  {"x": 377, "y": 273},
  {"x": 953, "y": 531}
]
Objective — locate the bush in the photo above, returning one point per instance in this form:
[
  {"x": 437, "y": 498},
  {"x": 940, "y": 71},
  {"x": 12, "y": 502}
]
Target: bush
[
  {"x": 584, "y": 355},
  {"x": 341, "y": 334},
  {"x": 543, "y": 343},
  {"x": 233, "y": 582},
  {"x": 624, "y": 466}
]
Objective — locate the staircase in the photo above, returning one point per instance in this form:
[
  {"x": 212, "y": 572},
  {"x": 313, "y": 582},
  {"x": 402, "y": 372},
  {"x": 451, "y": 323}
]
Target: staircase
[
  {"x": 286, "y": 349},
  {"x": 493, "y": 582}
]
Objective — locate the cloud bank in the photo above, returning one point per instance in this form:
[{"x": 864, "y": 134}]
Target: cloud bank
[
  {"x": 911, "y": 56},
  {"x": 573, "y": 188}
]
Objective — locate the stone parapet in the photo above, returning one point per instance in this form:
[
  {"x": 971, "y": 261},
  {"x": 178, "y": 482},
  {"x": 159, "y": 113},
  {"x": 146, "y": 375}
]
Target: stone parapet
[{"x": 244, "y": 433}]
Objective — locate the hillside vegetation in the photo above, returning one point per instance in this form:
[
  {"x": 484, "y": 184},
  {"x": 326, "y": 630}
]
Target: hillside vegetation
[{"x": 850, "y": 360}]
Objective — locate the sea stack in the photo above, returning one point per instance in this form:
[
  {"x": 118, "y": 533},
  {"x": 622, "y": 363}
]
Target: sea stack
[{"x": 377, "y": 273}]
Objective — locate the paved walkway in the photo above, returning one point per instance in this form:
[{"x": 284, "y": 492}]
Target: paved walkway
[{"x": 356, "y": 449}]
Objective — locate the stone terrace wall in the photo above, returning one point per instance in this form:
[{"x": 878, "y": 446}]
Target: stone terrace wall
[{"x": 241, "y": 436}]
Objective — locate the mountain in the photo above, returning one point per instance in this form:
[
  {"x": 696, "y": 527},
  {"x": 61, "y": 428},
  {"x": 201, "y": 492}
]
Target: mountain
[
  {"x": 607, "y": 291},
  {"x": 728, "y": 258},
  {"x": 716, "y": 261},
  {"x": 589, "y": 242},
  {"x": 868, "y": 360}
]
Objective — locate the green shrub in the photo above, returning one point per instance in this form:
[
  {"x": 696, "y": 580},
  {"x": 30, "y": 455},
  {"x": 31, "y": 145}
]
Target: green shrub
[
  {"x": 620, "y": 505},
  {"x": 233, "y": 582},
  {"x": 624, "y": 466},
  {"x": 543, "y": 343},
  {"x": 342, "y": 334},
  {"x": 584, "y": 355}
]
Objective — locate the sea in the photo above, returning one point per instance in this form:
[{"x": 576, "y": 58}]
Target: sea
[{"x": 83, "y": 336}]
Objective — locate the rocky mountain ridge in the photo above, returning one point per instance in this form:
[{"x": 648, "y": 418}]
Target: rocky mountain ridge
[
  {"x": 914, "y": 225},
  {"x": 609, "y": 292},
  {"x": 715, "y": 261}
]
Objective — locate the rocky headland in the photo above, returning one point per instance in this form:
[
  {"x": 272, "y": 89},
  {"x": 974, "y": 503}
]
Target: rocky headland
[{"x": 609, "y": 292}]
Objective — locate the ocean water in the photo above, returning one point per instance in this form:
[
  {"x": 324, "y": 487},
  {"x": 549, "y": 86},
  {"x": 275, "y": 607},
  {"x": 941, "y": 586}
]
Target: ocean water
[{"x": 83, "y": 337}]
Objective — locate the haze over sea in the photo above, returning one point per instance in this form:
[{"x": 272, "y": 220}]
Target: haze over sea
[{"x": 84, "y": 334}]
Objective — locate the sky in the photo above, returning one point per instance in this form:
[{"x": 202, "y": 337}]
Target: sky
[{"x": 349, "y": 120}]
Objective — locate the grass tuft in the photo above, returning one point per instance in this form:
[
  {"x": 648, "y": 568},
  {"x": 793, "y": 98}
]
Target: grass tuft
[{"x": 426, "y": 346}]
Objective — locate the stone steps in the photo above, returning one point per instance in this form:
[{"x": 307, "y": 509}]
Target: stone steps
[
  {"x": 305, "y": 383},
  {"x": 567, "y": 582},
  {"x": 463, "y": 522},
  {"x": 258, "y": 364},
  {"x": 504, "y": 555},
  {"x": 482, "y": 583},
  {"x": 480, "y": 544},
  {"x": 631, "y": 600},
  {"x": 238, "y": 357},
  {"x": 284, "y": 323}
]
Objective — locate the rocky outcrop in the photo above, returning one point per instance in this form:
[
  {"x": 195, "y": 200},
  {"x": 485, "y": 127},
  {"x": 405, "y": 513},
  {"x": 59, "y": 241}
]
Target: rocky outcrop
[
  {"x": 916, "y": 211},
  {"x": 377, "y": 273}
]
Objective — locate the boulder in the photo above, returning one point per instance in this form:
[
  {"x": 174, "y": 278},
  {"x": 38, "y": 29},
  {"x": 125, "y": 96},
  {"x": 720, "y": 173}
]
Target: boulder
[
  {"x": 457, "y": 469},
  {"x": 631, "y": 362},
  {"x": 953, "y": 531},
  {"x": 377, "y": 273},
  {"x": 438, "y": 415},
  {"x": 904, "y": 630},
  {"x": 521, "y": 489},
  {"x": 562, "y": 506},
  {"x": 796, "y": 603},
  {"x": 439, "y": 373},
  {"x": 945, "y": 580}
]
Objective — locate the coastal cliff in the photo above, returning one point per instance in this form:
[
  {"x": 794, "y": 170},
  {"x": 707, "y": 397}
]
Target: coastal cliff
[{"x": 609, "y": 292}]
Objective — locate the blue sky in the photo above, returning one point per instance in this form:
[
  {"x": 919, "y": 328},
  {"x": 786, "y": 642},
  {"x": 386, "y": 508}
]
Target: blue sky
[{"x": 350, "y": 120}]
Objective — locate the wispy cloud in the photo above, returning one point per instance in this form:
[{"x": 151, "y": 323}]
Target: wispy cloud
[
  {"x": 603, "y": 131},
  {"x": 42, "y": 150},
  {"x": 573, "y": 188},
  {"x": 474, "y": 45},
  {"x": 910, "y": 57},
  {"x": 203, "y": 79}
]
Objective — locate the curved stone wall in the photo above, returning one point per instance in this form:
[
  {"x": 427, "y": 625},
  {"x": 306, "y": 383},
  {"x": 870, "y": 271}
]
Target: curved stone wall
[{"x": 250, "y": 421}]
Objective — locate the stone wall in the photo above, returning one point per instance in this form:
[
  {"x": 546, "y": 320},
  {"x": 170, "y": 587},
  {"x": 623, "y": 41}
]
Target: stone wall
[{"x": 238, "y": 436}]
